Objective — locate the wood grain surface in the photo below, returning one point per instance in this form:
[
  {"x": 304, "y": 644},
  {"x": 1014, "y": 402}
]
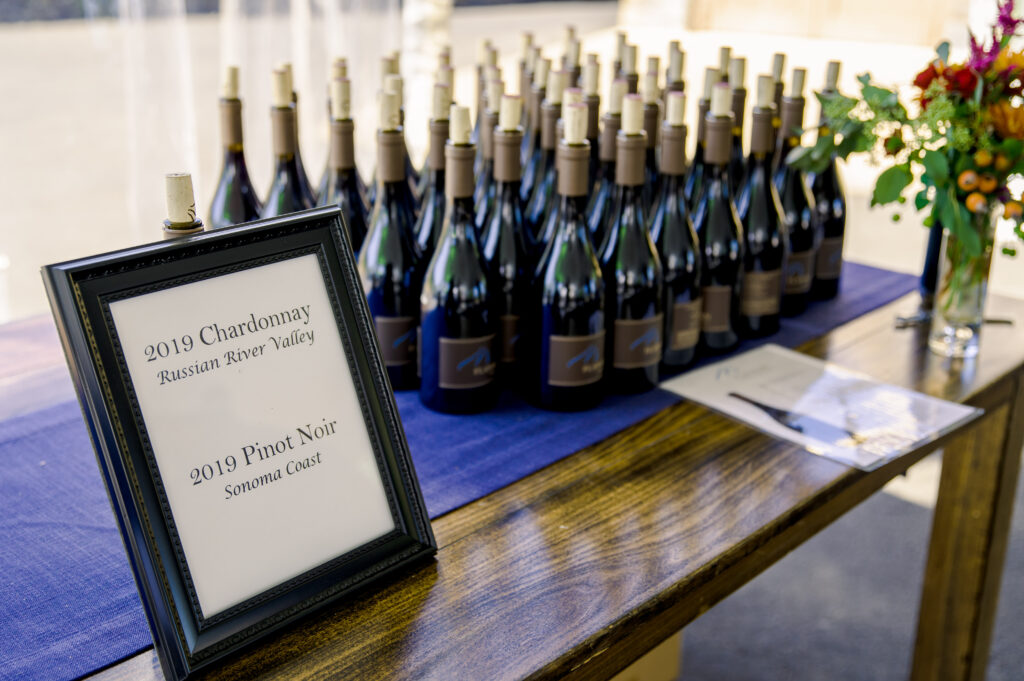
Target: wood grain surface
[{"x": 577, "y": 570}]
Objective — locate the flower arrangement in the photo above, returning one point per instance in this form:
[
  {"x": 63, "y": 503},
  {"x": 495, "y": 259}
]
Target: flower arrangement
[{"x": 964, "y": 142}]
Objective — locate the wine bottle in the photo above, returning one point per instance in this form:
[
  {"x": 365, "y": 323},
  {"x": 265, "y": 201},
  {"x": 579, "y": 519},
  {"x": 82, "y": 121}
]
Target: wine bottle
[
  {"x": 830, "y": 200},
  {"x": 760, "y": 213},
  {"x": 342, "y": 188},
  {"x": 630, "y": 267},
  {"x": 235, "y": 200},
  {"x": 676, "y": 241},
  {"x": 620, "y": 55},
  {"x": 182, "y": 219},
  {"x": 303, "y": 177},
  {"x": 566, "y": 330},
  {"x": 629, "y": 71},
  {"x": 572, "y": 65},
  {"x": 798, "y": 207},
  {"x": 602, "y": 198},
  {"x": 487, "y": 56},
  {"x": 460, "y": 330},
  {"x": 388, "y": 67},
  {"x": 543, "y": 191},
  {"x": 532, "y": 170},
  {"x": 652, "y": 114},
  {"x": 724, "y": 60},
  {"x": 695, "y": 175},
  {"x": 389, "y": 265},
  {"x": 431, "y": 217},
  {"x": 339, "y": 70},
  {"x": 287, "y": 191},
  {"x": 778, "y": 69},
  {"x": 525, "y": 65},
  {"x": 549, "y": 222},
  {"x": 393, "y": 83},
  {"x": 674, "y": 74},
  {"x": 530, "y": 126},
  {"x": 591, "y": 75},
  {"x": 483, "y": 191},
  {"x": 505, "y": 248},
  {"x": 737, "y": 81},
  {"x": 718, "y": 228},
  {"x": 444, "y": 61}
]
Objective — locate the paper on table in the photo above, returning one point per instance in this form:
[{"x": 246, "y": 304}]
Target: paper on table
[{"x": 829, "y": 410}]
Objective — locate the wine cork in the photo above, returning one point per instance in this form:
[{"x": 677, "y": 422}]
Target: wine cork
[
  {"x": 724, "y": 57},
  {"x": 230, "y": 87},
  {"x": 832, "y": 76},
  {"x": 181, "y": 203},
  {"x": 620, "y": 46},
  {"x": 491, "y": 58},
  {"x": 575, "y": 123},
  {"x": 531, "y": 63},
  {"x": 341, "y": 99},
  {"x": 633, "y": 115},
  {"x": 674, "y": 115},
  {"x": 393, "y": 84},
  {"x": 650, "y": 88},
  {"x": 629, "y": 59},
  {"x": 459, "y": 124},
  {"x": 339, "y": 68},
  {"x": 281, "y": 92},
  {"x": 738, "y": 72},
  {"x": 556, "y": 86},
  {"x": 591, "y": 75},
  {"x": 289, "y": 77},
  {"x": 540, "y": 74},
  {"x": 511, "y": 112},
  {"x": 495, "y": 90},
  {"x": 765, "y": 91},
  {"x": 444, "y": 56},
  {"x": 441, "y": 103},
  {"x": 710, "y": 78},
  {"x": 387, "y": 68},
  {"x": 570, "y": 33},
  {"x": 796, "y": 87},
  {"x": 526, "y": 41},
  {"x": 492, "y": 73},
  {"x": 445, "y": 76},
  {"x": 721, "y": 100},
  {"x": 570, "y": 96},
  {"x": 778, "y": 66},
  {"x": 593, "y": 103},
  {"x": 396, "y": 59},
  {"x": 653, "y": 65},
  {"x": 572, "y": 55},
  {"x": 675, "y": 63},
  {"x": 390, "y": 118},
  {"x": 618, "y": 91},
  {"x": 591, "y": 57}
]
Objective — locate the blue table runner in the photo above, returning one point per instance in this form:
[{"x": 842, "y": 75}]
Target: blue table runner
[{"x": 68, "y": 604}]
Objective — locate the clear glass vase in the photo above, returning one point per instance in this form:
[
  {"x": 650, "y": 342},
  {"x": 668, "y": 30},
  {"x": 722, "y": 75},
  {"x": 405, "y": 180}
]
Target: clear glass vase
[{"x": 961, "y": 289}]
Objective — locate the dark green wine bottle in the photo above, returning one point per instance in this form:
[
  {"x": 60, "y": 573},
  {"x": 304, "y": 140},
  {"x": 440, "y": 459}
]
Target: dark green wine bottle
[
  {"x": 590, "y": 76},
  {"x": 431, "y": 217},
  {"x": 542, "y": 195},
  {"x": 235, "y": 200},
  {"x": 674, "y": 237},
  {"x": 483, "y": 191},
  {"x": 695, "y": 175},
  {"x": 737, "y": 160},
  {"x": 532, "y": 165},
  {"x": 389, "y": 264},
  {"x": 765, "y": 239},
  {"x": 602, "y": 196},
  {"x": 798, "y": 207},
  {"x": 566, "y": 329},
  {"x": 652, "y": 116},
  {"x": 631, "y": 269},
  {"x": 303, "y": 177},
  {"x": 342, "y": 188},
  {"x": 288, "y": 193},
  {"x": 459, "y": 326},
  {"x": 830, "y": 200},
  {"x": 718, "y": 228}
]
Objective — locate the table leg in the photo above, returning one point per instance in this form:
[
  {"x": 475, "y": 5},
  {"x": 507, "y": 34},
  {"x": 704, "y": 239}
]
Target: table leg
[{"x": 968, "y": 545}]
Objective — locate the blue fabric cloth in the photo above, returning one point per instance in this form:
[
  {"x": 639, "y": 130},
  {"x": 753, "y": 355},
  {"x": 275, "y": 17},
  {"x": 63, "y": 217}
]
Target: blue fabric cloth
[{"x": 68, "y": 603}]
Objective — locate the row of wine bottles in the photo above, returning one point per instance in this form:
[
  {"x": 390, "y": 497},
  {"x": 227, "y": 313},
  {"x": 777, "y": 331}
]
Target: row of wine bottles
[{"x": 474, "y": 281}]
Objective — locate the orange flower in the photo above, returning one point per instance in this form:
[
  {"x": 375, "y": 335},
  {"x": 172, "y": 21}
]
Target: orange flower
[
  {"x": 1007, "y": 59},
  {"x": 1008, "y": 120}
]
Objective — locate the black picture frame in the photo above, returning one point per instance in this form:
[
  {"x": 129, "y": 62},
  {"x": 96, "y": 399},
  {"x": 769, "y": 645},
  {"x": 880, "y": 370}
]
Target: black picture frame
[{"x": 80, "y": 294}]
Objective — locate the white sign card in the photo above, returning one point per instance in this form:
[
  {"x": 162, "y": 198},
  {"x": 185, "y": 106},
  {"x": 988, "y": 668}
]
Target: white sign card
[
  {"x": 828, "y": 410},
  {"x": 268, "y": 468}
]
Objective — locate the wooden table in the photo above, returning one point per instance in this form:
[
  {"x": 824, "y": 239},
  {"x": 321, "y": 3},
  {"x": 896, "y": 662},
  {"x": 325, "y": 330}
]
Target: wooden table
[{"x": 582, "y": 567}]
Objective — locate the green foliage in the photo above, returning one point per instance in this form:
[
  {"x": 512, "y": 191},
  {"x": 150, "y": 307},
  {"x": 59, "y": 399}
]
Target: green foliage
[
  {"x": 891, "y": 184},
  {"x": 936, "y": 165}
]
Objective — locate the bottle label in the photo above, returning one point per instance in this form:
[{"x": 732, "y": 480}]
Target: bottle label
[
  {"x": 799, "y": 272},
  {"x": 397, "y": 336},
  {"x": 575, "y": 360},
  {"x": 509, "y": 337},
  {"x": 638, "y": 342},
  {"x": 762, "y": 293},
  {"x": 465, "y": 362},
  {"x": 830, "y": 258},
  {"x": 685, "y": 325},
  {"x": 717, "y": 314}
]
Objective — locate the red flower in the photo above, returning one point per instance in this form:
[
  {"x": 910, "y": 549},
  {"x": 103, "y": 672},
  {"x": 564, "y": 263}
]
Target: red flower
[
  {"x": 925, "y": 78},
  {"x": 961, "y": 79}
]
